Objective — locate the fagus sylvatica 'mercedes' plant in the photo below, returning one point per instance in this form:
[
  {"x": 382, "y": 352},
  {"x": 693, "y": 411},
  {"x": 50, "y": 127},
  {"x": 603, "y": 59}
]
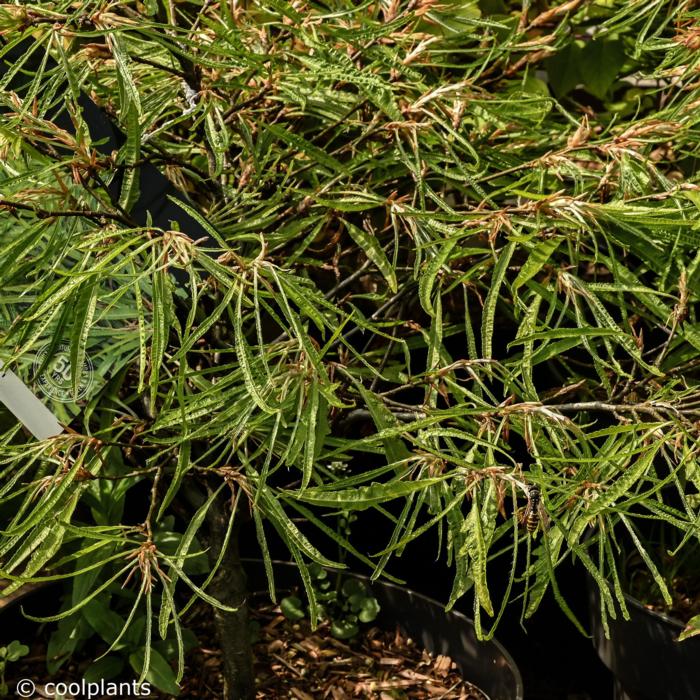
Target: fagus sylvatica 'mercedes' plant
[{"x": 451, "y": 267}]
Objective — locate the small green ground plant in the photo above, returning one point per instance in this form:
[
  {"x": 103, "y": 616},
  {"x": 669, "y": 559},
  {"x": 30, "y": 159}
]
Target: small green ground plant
[
  {"x": 9, "y": 654},
  {"x": 456, "y": 257},
  {"x": 345, "y": 603}
]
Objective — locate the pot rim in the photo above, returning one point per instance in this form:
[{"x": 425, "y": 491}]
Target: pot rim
[
  {"x": 635, "y": 602},
  {"x": 638, "y": 605},
  {"x": 520, "y": 688},
  {"x": 513, "y": 666},
  {"x": 668, "y": 619}
]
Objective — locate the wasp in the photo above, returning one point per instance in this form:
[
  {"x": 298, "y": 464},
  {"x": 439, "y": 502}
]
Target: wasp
[{"x": 535, "y": 514}]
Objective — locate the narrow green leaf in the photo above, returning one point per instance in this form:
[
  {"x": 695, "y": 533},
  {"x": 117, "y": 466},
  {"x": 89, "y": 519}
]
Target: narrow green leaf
[
  {"x": 82, "y": 322},
  {"x": 489, "y": 313},
  {"x": 537, "y": 259},
  {"x": 245, "y": 358},
  {"x": 365, "y": 496},
  {"x": 369, "y": 243}
]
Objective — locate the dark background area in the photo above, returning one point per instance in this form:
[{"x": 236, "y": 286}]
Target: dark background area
[{"x": 555, "y": 660}]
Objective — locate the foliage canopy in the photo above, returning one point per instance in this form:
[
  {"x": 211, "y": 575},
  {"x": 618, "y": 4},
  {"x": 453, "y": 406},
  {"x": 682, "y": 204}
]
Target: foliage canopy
[{"x": 456, "y": 255}]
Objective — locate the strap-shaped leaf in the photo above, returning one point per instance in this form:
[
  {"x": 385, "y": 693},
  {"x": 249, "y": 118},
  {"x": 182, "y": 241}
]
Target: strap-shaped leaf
[
  {"x": 489, "y": 313},
  {"x": 374, "y": 251},
  {"x": 245, "y": 358},
  {"x": 538, "y": 257},
  {"x": 365, "y": 496}
]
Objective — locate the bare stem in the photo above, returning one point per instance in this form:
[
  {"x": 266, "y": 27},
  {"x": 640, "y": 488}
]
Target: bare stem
[
  {"x": 66, "y": 213},
  {"x": 229, "y": 586}
]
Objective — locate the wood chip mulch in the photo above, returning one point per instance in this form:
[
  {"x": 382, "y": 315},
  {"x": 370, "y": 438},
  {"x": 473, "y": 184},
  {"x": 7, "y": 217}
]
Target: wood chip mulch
[
  {"x": 685, "y": 593},
  {"x": 295, "y": 663}
]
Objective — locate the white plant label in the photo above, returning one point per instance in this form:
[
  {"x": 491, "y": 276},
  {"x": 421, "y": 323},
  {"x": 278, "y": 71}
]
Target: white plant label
[{"x": 26, "y": 407}]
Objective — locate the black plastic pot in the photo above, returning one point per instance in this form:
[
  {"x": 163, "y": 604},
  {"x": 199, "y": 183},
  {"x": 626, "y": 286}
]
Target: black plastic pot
[
  {"x": 486, "y": 664},
  {"x": 643, "y": 654}
]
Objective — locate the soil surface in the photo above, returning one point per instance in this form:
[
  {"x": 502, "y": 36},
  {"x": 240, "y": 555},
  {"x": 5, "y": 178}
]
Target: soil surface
[
  {"x": 685, "y": 593},
  {"x": 293, "y": 662}
]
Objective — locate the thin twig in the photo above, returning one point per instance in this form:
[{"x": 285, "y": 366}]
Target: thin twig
[{"x": 48, "y": 214}]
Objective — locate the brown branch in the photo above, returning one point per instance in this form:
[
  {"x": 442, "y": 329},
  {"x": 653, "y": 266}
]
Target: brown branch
[
  {"x": 548, "y": 15},
  {"x": 65, "y": 213},
  {"x": 233, "y": 111},
  {"x": 155, "y": 64},
  {"x": 653, "y": 409},
  {"x": 148, "y": 524}
]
